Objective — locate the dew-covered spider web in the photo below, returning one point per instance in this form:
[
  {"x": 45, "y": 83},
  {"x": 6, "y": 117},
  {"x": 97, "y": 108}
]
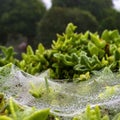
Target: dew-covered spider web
[{"x": 64, "y": 99}]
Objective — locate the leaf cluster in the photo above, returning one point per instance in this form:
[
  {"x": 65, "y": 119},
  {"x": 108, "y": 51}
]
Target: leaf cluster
[
  {"x": 73, "y": 55},
  {"x": 34, "y": 62},
  {"x": 78, "y": 53},
  {"x": 7, "y": 55},
  {"x": 95, "y": 114},
  {"x": 10, "y": 110}
]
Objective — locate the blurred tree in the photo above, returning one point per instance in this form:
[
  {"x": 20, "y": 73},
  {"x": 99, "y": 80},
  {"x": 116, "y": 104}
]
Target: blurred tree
[
  {"x": 108, "y": 23},
  {"x": 111, "y": 22},
  {"x": 20, "y": 16},
  {"x": 117, "y": 20},
  {"x": 96, "y": 7},
  {"x": 56, "y": 20}
]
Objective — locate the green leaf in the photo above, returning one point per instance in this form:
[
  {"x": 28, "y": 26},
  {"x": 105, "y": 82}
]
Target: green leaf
[
  {"x": 70, "y": 28},
  {"x": 116, "y": 117},
  {"x": 93, "y": 49},
  {"x": 40, "y": 49},
  {"x": 29, "y": 50},
  {"x": 39, "y": 115},
  {"x": 105, "y": 35},
  {"x": 97, "y": 41},
  {"x": 114, "y": 34},
  {"x": 5, "y": 118}
]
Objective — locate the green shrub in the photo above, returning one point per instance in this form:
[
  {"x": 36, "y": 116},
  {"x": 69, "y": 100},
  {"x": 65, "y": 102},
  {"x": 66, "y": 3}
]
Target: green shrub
[{"x": 7, "y": 55}]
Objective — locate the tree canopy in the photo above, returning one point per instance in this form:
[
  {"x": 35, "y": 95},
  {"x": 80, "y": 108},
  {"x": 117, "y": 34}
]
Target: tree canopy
[
  {"x": 20, "y": 16},
  {"x": 81, "y": 3},
  {"x": 111, "y": 22},
  {"x": 56, "y": 20},
  {"x": 96, "y": 7}
]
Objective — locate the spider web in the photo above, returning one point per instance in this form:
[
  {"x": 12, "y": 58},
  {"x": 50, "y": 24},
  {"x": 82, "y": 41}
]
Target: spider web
[{"x": 64, "y": 99}]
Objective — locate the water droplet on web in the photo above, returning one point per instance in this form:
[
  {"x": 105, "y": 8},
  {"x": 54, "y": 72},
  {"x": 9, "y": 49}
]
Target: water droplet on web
[{"x": 64, "y": 99}]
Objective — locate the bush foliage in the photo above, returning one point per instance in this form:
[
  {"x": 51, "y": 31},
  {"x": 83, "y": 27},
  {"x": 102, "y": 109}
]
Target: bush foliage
[{"x": 73, "y": 54}]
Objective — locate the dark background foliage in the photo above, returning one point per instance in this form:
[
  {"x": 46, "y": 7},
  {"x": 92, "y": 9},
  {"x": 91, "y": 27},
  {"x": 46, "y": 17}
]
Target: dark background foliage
[
  {"x": 20, "y": 17},
  {"x": 57, "y": 18},
  {"x": 31, "y": 19}
]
